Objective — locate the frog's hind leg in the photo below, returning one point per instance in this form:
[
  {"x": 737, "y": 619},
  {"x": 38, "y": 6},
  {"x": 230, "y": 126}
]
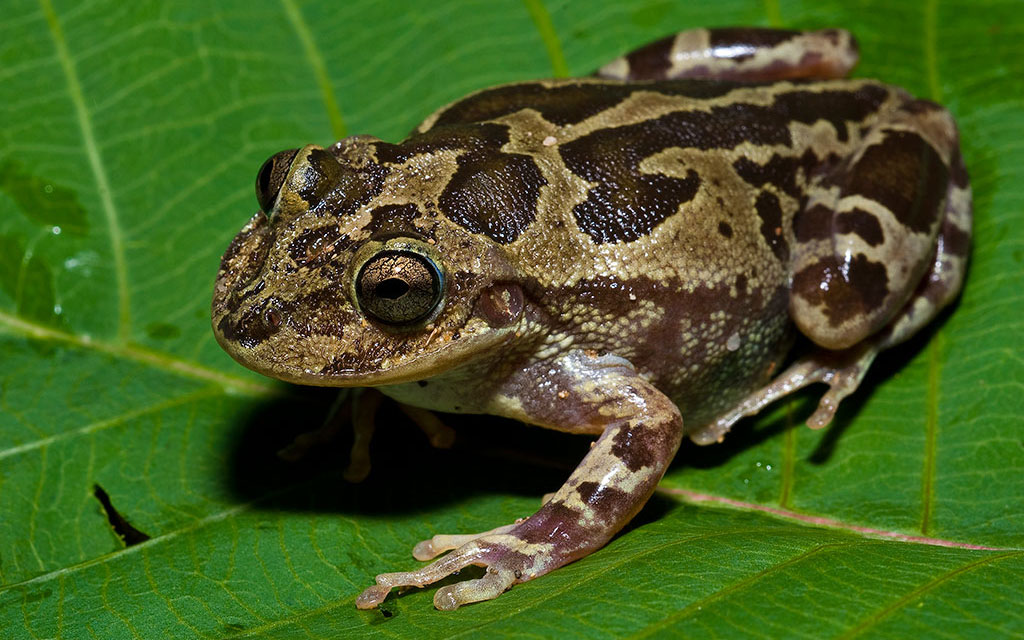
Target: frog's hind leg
[
  {"x": 743, "y": 54},
  {"x": 866, "y": 233},
  {"x": 844, "y": 370}
]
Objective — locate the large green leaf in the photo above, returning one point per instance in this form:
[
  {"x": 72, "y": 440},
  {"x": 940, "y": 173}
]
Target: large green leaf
[{"x": 130, "y": 136}]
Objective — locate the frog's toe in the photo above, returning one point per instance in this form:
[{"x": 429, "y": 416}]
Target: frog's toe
[
  {"x": 490, "y": 586},
  {"x": 842, "y": 381},
  {"x": 430, "y": 549}
]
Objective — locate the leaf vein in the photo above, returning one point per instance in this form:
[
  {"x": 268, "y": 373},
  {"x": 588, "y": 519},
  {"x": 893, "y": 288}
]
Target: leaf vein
[
  {"x": 542, "y": 19},
  {"x": 155, "y": 359},
  {"x": 97, "y": 167},
  {"x": 874, "y": 619}
]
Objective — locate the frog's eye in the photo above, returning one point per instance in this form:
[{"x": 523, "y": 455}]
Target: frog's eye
[
  {"x": 271, "y": 176},
  {"x": 399, "y": 287}
]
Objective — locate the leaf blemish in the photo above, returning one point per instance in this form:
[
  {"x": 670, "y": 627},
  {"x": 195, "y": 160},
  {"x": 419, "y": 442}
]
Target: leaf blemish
[
  {"x": 43, "y": 200},
  {"x": 124, "y": 530}
]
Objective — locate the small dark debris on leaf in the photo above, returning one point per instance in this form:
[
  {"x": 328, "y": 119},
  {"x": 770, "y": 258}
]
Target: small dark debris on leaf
[{"x": 124, "y": 530}]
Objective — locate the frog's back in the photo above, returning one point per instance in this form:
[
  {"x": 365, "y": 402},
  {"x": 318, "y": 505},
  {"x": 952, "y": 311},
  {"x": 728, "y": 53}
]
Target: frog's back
[{"x": 656, "y": 179}]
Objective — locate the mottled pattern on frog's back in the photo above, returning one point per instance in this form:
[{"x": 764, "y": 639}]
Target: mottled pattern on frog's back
[
  {"x": 655, "y": 219},
  {"x": 628, "y": 157}
]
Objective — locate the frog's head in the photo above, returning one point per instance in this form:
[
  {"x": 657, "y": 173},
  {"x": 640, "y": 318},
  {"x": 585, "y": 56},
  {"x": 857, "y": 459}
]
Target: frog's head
[{"x": 350, "y": 276}]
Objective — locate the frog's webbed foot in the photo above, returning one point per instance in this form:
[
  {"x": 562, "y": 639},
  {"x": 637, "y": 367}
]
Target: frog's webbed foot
[
  {"x": 507, "y": 557},
  {"x": 842, "y": 371},
  {"x": 360, "y": 409}
]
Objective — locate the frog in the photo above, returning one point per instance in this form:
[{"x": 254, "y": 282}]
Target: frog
[{"x": 629, "y": 256}]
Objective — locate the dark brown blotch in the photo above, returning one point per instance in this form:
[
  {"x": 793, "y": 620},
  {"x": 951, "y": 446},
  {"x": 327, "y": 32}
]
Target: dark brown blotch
[
  {"x": 495, "y": 195},
  {"x": 813, "y": 223},
  {"x": 321, "y": 174},
  {"x": 752, "y": 37},
  {"x": 627, "y": 204},
  {"x": 257, "y": 323},
  {"x": 954, "y": 240},
  {"x": 725, "y": 229},
  {"x": 603, "y": 499},
  {"x": 863, "y": 224},
  {"x": 741, "y": 284},
  {"x": 565, "y": 104},
  {"x": 782, "y": 172},
  {"x": 906, "y": 175},
  {"x": 313, "y": 247},
  {"x": 639, "y": 444},
  {"x": 652, "y": 61},
  {"x": 958, "y": 172},
  {"x": 553, "y": 523},
  {"x": 770, "y": 211},
  {"x": 845, "y": 289},
  {"x": 393, "y": 218},
  {"x": 838, "y": 108},
  {"x": 920, "y": 107},
  {"x": 469, "y": 138}
]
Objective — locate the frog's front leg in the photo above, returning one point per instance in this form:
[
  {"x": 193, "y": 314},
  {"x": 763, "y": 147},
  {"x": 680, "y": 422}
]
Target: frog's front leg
[
  {"x": 745, "y": 54},
  {"x": 640, "y": 431}
]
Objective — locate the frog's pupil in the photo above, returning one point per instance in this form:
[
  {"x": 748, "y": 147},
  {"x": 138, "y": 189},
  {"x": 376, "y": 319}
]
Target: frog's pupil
[{"x": 392, "y": 288}]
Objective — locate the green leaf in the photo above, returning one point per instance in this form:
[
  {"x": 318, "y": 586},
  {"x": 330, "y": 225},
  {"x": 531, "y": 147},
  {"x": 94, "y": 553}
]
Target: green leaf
[{"x": 131, "y": 136}]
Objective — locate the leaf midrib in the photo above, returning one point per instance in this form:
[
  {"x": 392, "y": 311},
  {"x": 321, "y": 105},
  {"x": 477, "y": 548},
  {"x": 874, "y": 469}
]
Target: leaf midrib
[{"x": 137, "y": 353}]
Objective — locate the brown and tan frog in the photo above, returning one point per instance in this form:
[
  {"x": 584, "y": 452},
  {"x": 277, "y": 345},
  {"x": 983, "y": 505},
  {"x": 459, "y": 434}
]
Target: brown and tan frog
[{"x": 628, "y": 256}]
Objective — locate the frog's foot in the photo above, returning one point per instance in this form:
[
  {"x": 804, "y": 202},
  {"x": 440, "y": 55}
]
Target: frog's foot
[
  {"x": 745, "y": 54},
  {"x": 360, "y": 408},
  {"x": 336, "y": 419},
  {"x": 507, "y": 557},
  {"x": 364, "y": 413},
  {"x": 440, "y": 435},
  {"x": 842, "y": 371}
]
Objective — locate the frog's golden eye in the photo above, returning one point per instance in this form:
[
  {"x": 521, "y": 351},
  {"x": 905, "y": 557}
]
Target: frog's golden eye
[
  {"x": 271, "y": 176},
  {"x": 399, "y": 287}
]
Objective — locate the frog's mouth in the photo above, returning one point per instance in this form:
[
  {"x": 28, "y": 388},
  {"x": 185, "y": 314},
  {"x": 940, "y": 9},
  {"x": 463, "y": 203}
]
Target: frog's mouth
[{"x": 269, "y": 343}]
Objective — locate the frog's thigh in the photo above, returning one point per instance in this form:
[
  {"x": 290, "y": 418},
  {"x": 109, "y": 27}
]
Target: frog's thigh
[
  {"x": 945, "y": 275},
  {"x": 749, "y": 54},
  {"x": 641, "y": 432},
  {"x": 868, "y": 231}
]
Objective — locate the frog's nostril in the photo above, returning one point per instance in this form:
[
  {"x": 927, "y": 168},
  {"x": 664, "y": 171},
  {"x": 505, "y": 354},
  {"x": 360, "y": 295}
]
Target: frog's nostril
[{"x": 272, "y": 318}]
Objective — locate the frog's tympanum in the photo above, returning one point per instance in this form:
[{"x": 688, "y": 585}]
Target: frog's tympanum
[{"x": 628, "y": 255}]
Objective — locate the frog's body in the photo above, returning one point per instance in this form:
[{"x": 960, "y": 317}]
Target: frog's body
[{"x": 628, "y": 255}]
